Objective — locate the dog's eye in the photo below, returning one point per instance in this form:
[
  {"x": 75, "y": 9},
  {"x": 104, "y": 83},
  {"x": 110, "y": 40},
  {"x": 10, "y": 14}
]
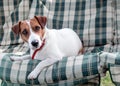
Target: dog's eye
[
  {"x": 25, "y": 32},
  {"x": 37, "y": 28}
]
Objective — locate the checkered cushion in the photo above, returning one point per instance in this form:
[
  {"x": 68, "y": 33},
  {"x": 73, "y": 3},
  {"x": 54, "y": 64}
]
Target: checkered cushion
[
  {"x": 95, "y": 21},
  {"x": 67, "y": 72},
  {"x": 90, "y": 19},
  {"x": 115, "y": 65},
  {"x": 112, "y": 62}
]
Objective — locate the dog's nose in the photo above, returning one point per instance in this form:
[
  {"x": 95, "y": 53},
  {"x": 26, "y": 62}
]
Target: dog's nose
[{"x": 35, "y": 43}]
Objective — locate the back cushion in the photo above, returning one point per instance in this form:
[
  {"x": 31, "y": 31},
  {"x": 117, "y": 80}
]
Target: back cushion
[{"x": 91, "y": 19}]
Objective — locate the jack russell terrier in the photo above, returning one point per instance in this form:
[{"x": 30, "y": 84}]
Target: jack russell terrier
[{"x": 48, "y": 45}]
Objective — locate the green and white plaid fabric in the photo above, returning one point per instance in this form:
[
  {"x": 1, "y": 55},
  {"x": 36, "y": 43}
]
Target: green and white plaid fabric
[
  {"x": 90, "y": 19},
  {"x": 95, "y": 21},
  {"x": 67, "y": 72},
  {"x": 112, "y": 62}
]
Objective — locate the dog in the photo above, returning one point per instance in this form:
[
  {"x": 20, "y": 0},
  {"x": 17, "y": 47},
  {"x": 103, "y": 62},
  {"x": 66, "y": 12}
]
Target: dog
[{"x": 50, "y": 45}]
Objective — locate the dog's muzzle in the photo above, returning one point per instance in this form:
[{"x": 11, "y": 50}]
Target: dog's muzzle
[{"x": 35, "y": 43}]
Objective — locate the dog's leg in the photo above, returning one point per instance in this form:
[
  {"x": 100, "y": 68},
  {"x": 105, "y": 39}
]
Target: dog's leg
[
  {"x": 20, "y": 58},
  {"x": 40, "y": 66}
]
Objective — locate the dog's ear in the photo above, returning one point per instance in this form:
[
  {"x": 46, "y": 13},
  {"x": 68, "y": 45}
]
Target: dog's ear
[
  {"x": 41, "y": 20},
  {"x": 16, "y": 28}
]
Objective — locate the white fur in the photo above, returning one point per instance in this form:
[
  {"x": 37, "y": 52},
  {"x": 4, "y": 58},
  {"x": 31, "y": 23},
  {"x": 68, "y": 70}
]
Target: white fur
[
  {"x": 58, "y": 44},
  {"x": 32, "y": 37}
]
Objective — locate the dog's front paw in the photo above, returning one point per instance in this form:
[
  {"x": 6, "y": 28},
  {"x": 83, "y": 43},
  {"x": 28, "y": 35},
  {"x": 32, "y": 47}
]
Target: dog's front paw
[{"x": 32, "y": 75}]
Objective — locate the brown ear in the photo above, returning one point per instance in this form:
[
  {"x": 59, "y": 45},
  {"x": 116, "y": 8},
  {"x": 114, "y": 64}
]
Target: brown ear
[
  {"x": 16, "y": 28},
  {"x": 42, "y": 20}
]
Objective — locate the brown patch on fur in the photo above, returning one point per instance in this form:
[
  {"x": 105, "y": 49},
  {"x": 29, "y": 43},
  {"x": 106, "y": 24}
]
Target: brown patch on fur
[
  {"x": 37, "y": 24},
  {"x": 24, "y": 28},
  {"x": 16, "y": 28},
  {"x": 42, "y": 20},
  {"x": 37, "y": 28}
]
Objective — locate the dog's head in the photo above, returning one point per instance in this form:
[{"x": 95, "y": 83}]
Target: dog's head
[{"x": 31, "y": 31}]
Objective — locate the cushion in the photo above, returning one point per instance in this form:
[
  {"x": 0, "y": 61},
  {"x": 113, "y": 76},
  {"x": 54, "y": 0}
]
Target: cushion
[
  {"x": 91, "y": 20},
  {"x": 72, "y": 71}
]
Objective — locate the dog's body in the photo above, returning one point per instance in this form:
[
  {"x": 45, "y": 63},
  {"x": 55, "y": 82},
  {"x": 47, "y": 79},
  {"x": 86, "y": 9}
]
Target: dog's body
[
  {"x": 58, "y": 44},
  {"x": 45, "y": 44}
]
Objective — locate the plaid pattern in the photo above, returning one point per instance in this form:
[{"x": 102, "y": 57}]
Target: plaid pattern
[
  {"x": 95, "y": 21},
  {"x": 112, "y": 62},
  {"x": 68, "y": 72},
  {"x": 82, "y": 16},
  {"x": 114, "y": 66}
]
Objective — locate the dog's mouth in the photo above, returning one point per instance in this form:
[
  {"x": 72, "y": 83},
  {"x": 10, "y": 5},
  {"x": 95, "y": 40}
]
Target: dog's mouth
[{"x": 34, "y": 48}]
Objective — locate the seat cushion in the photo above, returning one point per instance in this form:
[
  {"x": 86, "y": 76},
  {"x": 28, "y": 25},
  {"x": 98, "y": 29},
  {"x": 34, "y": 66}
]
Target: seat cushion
[{"x": 73, "y": 70}]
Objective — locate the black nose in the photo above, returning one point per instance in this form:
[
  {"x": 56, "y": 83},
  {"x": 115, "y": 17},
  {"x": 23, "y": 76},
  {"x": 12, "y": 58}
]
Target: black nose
[{"x": 35, "y": 43}]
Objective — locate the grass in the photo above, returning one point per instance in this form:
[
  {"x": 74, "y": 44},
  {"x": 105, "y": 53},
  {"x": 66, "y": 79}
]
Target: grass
[{"x": 106, "y": 81}]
